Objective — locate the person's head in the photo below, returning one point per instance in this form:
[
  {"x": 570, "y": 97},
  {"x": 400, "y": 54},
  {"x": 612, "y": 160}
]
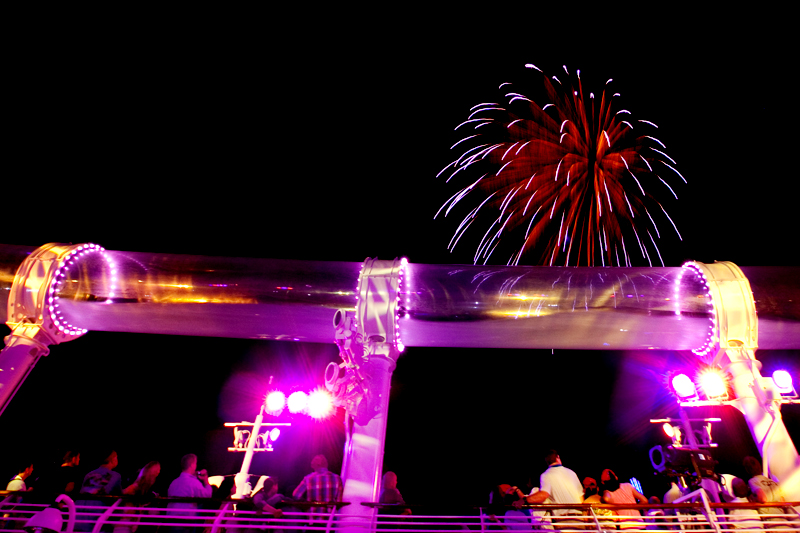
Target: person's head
[
  {"x": 552, "y": 458},
  {"x": 509, "y": 499},
  {"x": 319, "y": 461},
  {"x": 110, "y": 460},
  {"x": 752, "y": 466},
  {"x": 498, "y": 493},
  {"x": 589, "y": 487},
  {"x": 149, "y": 472},
  {"x": 740, "y": 488},
  {"x": 72, "y": 458},
  {"x": 147, "y": 477},
  {"x": 25, "y": 469},
  {"x": 654, "y": 500},
  {"x": 390, "y": 480},
  {"x": 609, "y": 480},
  {"x": 270, "y": 486},
  {"x": 189, "y": 463}
]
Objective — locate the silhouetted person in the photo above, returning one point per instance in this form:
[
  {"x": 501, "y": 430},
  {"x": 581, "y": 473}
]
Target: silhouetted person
[
  {"x": 189, "y": 484},
  {"x": 747, "y": 519},
  {"x": 101, "y": 481},
  {"x": 319, "y": 486},
  {"x": 66, "y": 478},
  {"x": 17, "y": 483},
  {"x": 621, "y": 493},
  {"x": 24, "y": 472},
  {"x": 559, "y": 485},
  {"x": 764, "y": 490}
]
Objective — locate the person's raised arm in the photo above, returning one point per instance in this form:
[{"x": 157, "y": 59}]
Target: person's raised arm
[{"x": 300, "y": 490}]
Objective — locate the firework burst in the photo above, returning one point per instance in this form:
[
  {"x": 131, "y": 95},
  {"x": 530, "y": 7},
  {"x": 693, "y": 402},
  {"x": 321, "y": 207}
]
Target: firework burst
[{"x": 572, "y": 179}]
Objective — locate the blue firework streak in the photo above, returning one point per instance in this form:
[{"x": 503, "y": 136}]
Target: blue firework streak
[{"x": 572, "y": 179}]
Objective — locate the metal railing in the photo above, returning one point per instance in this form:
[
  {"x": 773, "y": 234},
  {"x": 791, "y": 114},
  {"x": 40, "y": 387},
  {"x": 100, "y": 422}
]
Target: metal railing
[{"x": 129, "y": 515}]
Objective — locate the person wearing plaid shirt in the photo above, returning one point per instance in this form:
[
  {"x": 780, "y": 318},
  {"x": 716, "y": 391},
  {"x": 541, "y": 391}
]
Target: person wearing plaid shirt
[{"x": 319, "y": 486}]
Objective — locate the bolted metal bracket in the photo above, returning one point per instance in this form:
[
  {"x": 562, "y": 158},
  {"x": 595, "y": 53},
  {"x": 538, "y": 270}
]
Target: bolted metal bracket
[
  {"x": 33, "y": 314},
  {"x": 735, "y": 322},
  {"x": 33, "y": 301},
  {"x": 369, "y": 332}
]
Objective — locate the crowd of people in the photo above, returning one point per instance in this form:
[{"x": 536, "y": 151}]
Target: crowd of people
[
  {"x": 561, "y": 486},
  {"x": 509, "y": 506},
  {"x": 321, "y": 485}
]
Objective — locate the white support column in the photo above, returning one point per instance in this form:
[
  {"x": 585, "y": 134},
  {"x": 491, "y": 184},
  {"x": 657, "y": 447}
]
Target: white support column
[
  {"x": 21, "y": 353},
  {"x": 368, "y": 340},
  {"x": 243, "y": 488},
  {"x": 758, "y": 401},
  {"x": 32, "y": 312},
  {"x": 756, "y": 397}
]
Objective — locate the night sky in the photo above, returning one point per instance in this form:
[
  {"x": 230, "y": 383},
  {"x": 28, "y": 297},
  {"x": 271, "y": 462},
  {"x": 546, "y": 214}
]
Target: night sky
[{"x": 325, "y": 146}]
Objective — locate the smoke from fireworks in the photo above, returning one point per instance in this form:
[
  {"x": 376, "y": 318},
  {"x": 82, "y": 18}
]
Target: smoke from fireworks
[{"x": 571, "y": 179}]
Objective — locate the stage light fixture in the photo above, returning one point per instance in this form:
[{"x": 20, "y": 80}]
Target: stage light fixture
[
  {"x": 673, "y": 432},
  {"x": 320, "y": 404},
  {"x": 297, "y": 402},
  {"x": 783, "y": 381},
  {"x": 274, "y": 433},
  {"x": 714, "y": 384},
  {"x": 683, "y": 387},
  {"x": 276, "y": 402}
]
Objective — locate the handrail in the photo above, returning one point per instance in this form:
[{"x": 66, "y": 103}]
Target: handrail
[
  {"x": 698, "y": 516},
  {"x": 707, "y": 511},
  {"x": 218, "y": 519},
  {"x": 104, "y": 517}
]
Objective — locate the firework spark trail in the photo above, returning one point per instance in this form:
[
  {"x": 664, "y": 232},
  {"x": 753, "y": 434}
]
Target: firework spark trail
[{"x": 522, "y": 150}]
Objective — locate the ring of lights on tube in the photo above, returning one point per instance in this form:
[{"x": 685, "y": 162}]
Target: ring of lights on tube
[
  {"x": 693, "y": 269},
  {"x": 401, "y": 309},
  {"x": 396, "y": 282},
  {"x": 61, "y": 277}
]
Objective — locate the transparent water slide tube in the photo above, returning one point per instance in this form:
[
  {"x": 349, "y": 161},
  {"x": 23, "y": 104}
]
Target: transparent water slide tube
[
  {"x": 445, "y": 305},
  {"x": 204, "y": 296},
  {"x": 552, "y": 307},
  {"x": 585, "y": 308}
]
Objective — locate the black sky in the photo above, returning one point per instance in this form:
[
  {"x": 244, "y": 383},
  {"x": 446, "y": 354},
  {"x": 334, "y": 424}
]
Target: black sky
[{"x": 324, "y": 145}]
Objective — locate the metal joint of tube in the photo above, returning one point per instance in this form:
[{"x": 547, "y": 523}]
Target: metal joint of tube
[
  {"x": 370, "y": 332},
  {"x": 33, "y": 310}
]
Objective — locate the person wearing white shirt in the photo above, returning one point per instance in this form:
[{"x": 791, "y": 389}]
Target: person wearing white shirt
[
  {"x": 559, "y": 485},
  {"x": 744, "y": 519},
  {"x": 18, "y": 481}
]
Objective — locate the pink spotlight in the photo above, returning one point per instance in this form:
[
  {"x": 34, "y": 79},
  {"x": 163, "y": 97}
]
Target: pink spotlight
[
  {"x": 783, "y": 380},
  {"x": 320, "y": 404},
  {"x": 276, "y": 401},
  {"x": 298, "y": 401},
  {"x": 683, "y": 386},
  {"x": 274, "y": 433}
]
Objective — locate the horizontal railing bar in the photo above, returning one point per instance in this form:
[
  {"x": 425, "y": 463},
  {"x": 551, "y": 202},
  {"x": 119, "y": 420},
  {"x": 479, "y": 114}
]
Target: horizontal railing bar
[{"x": 686, "y": 515}]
